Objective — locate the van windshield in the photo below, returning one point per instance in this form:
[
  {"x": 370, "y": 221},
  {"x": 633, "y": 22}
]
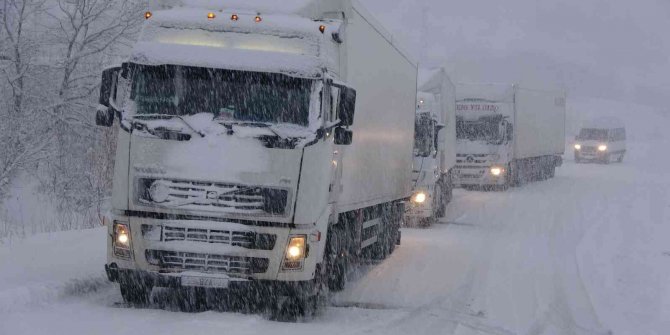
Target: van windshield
[
  {"x": 591, "y": 134},
  {"x": 229, "y": 95}
]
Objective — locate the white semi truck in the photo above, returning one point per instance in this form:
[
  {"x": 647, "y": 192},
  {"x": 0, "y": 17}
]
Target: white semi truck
[
  {"x": 507, "y": 135},
  {"x": 258, "y": 153},
  {"x": 434, "y": 147}
]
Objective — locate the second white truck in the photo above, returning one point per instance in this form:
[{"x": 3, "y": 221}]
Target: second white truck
[
  {"x": 507, "y": 135},
  {"x": 434, "y": 148}
]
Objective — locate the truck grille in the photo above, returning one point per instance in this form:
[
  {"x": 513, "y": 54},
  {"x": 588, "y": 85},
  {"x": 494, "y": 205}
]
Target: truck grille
[
  {"x": 589, "y": 150},
  {"x": 244, "y": 239},
  {"x": 229, "y": 198},
  {"x": 187, "y": 261},
  {"x": 472, "y": 158}
]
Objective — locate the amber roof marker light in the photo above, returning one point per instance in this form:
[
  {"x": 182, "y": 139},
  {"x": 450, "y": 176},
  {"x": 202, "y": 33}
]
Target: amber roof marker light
[
  {"x": 148, "y": 15},
  {"x": 322, "y": 29},
  {"x": 211, "y": 16},
  {"x": 258, "y": 18},
  {"x": 234, "y": 17}
]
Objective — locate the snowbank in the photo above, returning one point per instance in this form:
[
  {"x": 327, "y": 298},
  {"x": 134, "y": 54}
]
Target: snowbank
[{"x": 45, "y": 267}]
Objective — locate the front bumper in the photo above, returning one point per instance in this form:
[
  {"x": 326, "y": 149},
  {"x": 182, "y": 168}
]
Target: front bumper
[
  {"x": 590, "y": 155},
  {"x": 266, "y": 288},
  {"x": 196, "y": 246},
  {"x": 477, "y": 176}
]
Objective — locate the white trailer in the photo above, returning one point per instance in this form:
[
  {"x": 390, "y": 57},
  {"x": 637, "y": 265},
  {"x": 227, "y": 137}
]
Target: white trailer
[
  {"x": 257, "y": 151},
  {"x": 508, "y": 135},
  {"x": 434, "y": 147}
]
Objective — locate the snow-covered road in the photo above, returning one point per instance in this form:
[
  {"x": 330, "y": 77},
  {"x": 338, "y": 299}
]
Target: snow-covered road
[{"x": 583, "y": 253}]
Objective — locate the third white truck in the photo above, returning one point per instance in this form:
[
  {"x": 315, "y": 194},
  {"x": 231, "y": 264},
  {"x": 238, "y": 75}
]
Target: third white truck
[{"x": 507, "y": 135}]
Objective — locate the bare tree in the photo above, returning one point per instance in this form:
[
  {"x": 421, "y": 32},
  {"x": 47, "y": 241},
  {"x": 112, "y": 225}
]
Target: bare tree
[
  {"x": 88, "y": 33},
  {"x": 17, "y": 49}
]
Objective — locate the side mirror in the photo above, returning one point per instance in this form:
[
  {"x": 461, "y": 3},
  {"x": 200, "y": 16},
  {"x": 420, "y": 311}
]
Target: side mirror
[
  {"x": 104, "y": 117},
  {"x": 343, "y": 136},
  {"x": 108, "y": 86},
  {"x": 347, "y": 106}
]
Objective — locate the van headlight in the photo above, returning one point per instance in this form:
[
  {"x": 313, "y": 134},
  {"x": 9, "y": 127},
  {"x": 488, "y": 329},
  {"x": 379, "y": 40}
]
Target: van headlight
[
  {"x": 496, "y": 171},
  {"x": 419, "y": 198},
  {"x": 296, "y": 251},
  {"x": 121, "y": 242},
  {"x": 578, "y": 147},
  {"x": 602, "y": 148}
]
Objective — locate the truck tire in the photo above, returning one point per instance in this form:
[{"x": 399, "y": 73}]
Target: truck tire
[
  {"x": 293, "y": 308},
  {"x": 620, "y": 159},
  {"x": 135, "y": 293},
  {"x": 607, "y": 159},
  {"x": 337, "y": 264}
]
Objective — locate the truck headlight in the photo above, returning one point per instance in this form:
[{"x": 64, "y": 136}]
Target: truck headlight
[
  {"x": 419, "y": 198},
  {"x": 121, "y": 242},
  {"x": 296, "y": 251},
  {"x": 602, "y": 148},
  {"x": 496, "y": 171},
  {"x": 578, "y": 147}
]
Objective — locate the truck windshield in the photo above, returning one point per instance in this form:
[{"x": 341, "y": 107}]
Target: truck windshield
[
  {"x": 593, "y": 135},
  {"x": 483, "y": 129},
  {"x": 229, "y": 95}
]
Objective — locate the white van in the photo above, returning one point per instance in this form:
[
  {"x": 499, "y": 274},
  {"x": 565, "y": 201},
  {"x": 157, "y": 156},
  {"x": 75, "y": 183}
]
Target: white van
[{"x": 602, "y": 140}]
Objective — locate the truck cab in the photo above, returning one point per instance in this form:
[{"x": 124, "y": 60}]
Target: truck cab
[
  {"x": 239, "y": 166},
  {"x": 601, "y": 140},
  {"x": 434, "y": 148},
  {"x": 485, "y": 133}
]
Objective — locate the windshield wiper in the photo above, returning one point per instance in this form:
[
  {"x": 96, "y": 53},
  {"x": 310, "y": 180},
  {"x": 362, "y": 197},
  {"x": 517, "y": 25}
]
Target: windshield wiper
[
  {"x": 252, "y": 124},
  {"x": 169, "y": 117}
]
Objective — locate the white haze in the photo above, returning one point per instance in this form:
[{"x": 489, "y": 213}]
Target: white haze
[{"x": 613, "y": 49}]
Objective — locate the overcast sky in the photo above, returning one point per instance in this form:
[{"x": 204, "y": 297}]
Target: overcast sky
[{"x": 602, "y": 48}]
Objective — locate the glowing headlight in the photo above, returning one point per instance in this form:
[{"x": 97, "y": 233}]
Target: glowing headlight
[
  {"x": 159, "y": 192},
  {"x": 496, "y": 171},
  {"x": 419, "y": 198},
  {"x": 295, "y": 253},
  {"x": 578, "y": 147},
  {"x": 121, "y": 240},
  {"x": 602, "y": 148}
]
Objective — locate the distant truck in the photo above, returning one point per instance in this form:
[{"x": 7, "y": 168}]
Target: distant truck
[
  {"x": 434, "y": 148},
  {"x": 507, "y": 135},
  {"x": 601, "y": 140},
  {"x": 258, "y": 154}
]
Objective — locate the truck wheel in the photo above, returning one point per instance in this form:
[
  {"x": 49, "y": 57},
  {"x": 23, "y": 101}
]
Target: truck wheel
[
  {"x": 607, "y": 159},
  {"x": 135, "y": 294},
  {"x": 292, "y": 309},
  {"x": 551, "y": 172},
  {"x": 620, "y": 159},
  {"x": 336, "y": 260}
]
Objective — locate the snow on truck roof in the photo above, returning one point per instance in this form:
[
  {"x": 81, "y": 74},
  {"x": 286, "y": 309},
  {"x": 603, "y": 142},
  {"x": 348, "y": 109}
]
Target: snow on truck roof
[
  {"x": 607, "y": 122},
  {"x": 488, "y": 92},
  {"x": 283, "y": 6}
]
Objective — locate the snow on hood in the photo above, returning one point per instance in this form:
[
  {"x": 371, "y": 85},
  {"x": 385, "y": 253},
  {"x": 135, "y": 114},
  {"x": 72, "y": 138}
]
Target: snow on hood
[{"x": 153, "y": 53}]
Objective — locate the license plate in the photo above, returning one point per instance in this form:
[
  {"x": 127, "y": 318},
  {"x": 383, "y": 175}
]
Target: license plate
[{"x": 205, "y": 282}]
